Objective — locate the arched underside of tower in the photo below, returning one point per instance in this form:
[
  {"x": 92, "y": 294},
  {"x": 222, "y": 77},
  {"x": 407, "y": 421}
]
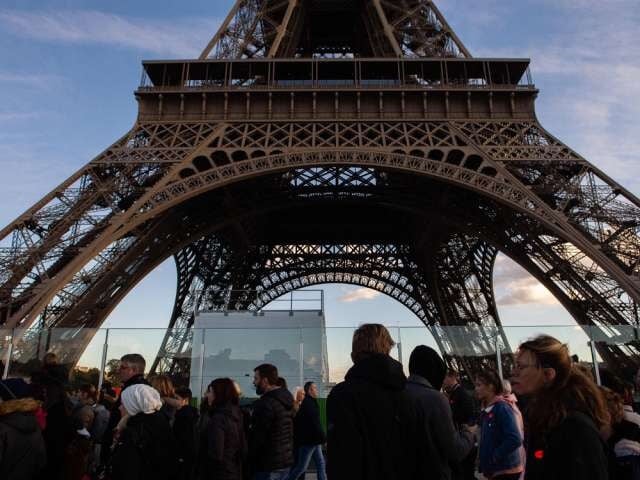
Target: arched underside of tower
[{"x": 424, "y": 241}]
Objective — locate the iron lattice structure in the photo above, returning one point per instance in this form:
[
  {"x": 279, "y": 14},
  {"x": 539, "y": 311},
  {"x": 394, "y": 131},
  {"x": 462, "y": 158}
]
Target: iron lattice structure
[{"x": 324, "y": 141}]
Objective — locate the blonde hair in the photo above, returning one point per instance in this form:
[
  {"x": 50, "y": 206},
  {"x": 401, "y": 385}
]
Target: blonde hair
[{"x": 370, "y": 338}]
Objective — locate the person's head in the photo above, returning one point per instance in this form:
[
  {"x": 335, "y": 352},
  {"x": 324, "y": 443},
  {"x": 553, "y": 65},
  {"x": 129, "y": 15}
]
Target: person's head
[
  {"x": 163, "y": 385},
  {"x": 540, "y": 363},
  {"x": 224, "y": 392},
  {"x": 84, "y": 416},
  {"x": 488, "y": 385},
  {"x": 282, "y": 383},
  {"x": 88, "y": 394},
  {"x": 369, "y": 339},
  {"x": 311, "y": 389},
  {"x": 50, "y": 359},
  {"x": 506, "y": 387},
  {"x": 265, "y": 378},
  {"x": 615, "y": 405},
  {"x": 184, "y": 396},
  {"x": 451, "y": 379},
  {"x": 544, "y": 371},
  {"x": 427, "y": 363},
  {"x": 131, "y": 365},
  {"x": 140, "y": 399},
  {"x": 238, "y": 388}
]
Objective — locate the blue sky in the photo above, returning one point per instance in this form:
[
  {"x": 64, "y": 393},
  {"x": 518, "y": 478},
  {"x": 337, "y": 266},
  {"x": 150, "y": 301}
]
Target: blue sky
[{"x": 68, "y": 69}]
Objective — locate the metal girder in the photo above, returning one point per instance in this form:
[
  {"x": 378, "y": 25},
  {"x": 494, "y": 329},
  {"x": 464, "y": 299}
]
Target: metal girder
[
  {"x": 416, "y": 28},
  {"x": 253, "y": 28},
  {"x": 73, "y": 256}
]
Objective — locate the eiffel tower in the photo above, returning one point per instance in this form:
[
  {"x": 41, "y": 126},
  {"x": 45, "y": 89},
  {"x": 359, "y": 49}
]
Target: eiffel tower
[{"x": 315, "y": 141}]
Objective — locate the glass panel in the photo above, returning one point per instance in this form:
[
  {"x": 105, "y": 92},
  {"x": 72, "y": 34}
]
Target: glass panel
[
  {"x": 575, "y": 337},
  {"x": 234, "y": 353},
  {"x": 146, "y": 342},
  {"x": 69, "y": 345},
  {"x": 617, "y": 348}
]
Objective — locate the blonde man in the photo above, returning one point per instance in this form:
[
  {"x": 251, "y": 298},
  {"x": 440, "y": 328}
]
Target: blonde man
[{"x": 372, "y": 422}]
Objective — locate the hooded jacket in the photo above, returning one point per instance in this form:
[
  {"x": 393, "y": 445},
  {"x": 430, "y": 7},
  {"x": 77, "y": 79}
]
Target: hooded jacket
[
  {"x": 444, "y": 445},
  {"x": 271, "y": 436},
  {"x": 226, "y": 444},
  {"x": 22, "y": 450},
  {"x": 372, "y": 424}
]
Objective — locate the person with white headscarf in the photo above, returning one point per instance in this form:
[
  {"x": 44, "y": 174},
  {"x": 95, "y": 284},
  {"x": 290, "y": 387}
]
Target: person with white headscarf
[{"x": 146, "y": 448}]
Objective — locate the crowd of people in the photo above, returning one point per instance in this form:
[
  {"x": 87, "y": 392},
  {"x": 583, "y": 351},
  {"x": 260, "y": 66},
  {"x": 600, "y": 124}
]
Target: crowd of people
[{"x": 550, "y": 421}]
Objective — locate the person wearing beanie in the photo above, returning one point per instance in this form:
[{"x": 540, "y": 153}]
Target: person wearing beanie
[
  {"x": 444, "y": 444},
  {"x": 22, "y": 450},
  {"x": 146, "y": 448}
]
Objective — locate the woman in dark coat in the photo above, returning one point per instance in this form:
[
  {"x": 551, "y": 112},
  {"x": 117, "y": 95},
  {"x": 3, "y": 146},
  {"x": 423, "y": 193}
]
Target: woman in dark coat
[
  {"x": 226, "y": 446},
  {"x": 146, "y": 449},
  {"x": 565, "y": 415},
  {"x": 22, "y": 449}
]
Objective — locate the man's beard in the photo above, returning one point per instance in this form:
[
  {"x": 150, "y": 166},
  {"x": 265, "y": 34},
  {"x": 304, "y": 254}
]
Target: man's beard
[{"x": 259, "y": 390}]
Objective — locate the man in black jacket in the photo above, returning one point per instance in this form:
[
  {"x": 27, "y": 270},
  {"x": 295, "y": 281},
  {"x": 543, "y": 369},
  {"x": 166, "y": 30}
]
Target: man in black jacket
[
  {"x": 443, "y": 443},
  {"x": 464, "y": 413},
  {"x": 308, "y": 435},
  {"x": 373, "y": 423},
  {"x": 271, "y": 435},
  {"x": 131, "y": 372}
]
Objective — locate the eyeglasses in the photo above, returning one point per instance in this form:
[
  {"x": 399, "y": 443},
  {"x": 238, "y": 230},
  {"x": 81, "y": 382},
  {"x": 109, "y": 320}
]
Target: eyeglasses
[{"x": 518, "y": 367}]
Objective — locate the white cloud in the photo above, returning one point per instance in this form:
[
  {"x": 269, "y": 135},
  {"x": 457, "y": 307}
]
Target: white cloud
[
  {"x": 590, "y": 74},
  {"x": 18, "y": 116},
  {"x": 39, "y": 81},
  {"x": 515, "y": 286},
  {"x": 359, "y": 294},
  {"x": 180, "y": 37}
]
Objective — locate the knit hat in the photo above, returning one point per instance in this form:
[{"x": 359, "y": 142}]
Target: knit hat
[
  {"x": 426, "y": 362},
  {"x": 141, "y": 399},
  {"x": 14, "y": 388}
]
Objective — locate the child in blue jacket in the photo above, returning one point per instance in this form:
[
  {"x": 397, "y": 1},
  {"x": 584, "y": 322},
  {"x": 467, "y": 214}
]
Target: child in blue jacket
[{"x": 500, "y": 446}]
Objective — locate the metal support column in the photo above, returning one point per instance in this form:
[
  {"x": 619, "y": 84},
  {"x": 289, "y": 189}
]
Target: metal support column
[{"x": 103, "y": 361}]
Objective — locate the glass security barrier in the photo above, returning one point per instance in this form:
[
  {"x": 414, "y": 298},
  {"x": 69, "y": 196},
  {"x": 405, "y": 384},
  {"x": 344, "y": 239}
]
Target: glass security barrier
[
  {"x": 576, "y": 338},
  {"x": 194, "y": 357}
]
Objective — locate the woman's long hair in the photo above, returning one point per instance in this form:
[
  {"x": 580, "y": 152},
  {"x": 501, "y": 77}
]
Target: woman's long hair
[
  {"x": 163, "y": 385},
  {"x": 225, "y": 392},
  {"x": 570, "y": 391}
]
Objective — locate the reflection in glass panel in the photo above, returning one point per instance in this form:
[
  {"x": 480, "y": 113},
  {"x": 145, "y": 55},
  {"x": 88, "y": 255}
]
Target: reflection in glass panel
[{"x": 295, "y": 342}]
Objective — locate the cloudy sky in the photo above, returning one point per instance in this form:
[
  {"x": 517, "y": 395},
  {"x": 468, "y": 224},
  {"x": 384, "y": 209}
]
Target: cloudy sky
[{"x": 68, "y": 69}]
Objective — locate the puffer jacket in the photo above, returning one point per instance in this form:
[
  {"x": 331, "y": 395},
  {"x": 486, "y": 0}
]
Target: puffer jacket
[
  {"x": 22, "y": 451},
  {"x": 226, "y": 444},
  {"x": 271, "y": 435}
]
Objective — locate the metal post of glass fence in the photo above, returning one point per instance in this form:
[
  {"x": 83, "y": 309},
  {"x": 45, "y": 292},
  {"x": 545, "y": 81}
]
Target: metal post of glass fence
[
  {"x": 499, "y": 357},
  {"x": 201, "y": 363},
  {"x": 301, "y": 362},
  {"x": 7, "y": 360},
  {"x": 399, "y": 347},
  {"x": 596, "y": 368},
  {"x": 103, "y": 361}
]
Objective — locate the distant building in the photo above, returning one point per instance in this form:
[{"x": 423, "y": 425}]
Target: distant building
[{"x": 235, "y": 343}]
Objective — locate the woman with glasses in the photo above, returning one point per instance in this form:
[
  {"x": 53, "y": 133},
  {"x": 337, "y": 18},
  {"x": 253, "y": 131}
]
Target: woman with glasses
[{"x": 564, "y": 416}]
